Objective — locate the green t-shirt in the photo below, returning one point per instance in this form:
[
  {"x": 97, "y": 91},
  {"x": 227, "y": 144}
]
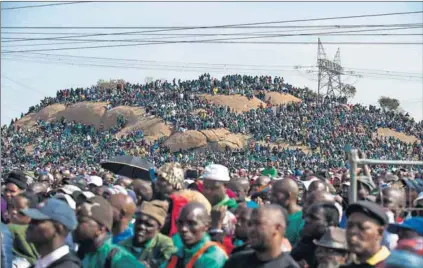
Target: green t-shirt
[
  {"x": 213, "y": 257},
  {"x": 295, "y": 223},
  {"x": 122, "y": 258},
  {"x": 271, "y": 172}
]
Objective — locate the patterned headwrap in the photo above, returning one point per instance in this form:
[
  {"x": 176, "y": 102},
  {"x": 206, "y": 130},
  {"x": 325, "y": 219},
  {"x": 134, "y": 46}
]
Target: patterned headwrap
[{"x": 172, "y": 173}]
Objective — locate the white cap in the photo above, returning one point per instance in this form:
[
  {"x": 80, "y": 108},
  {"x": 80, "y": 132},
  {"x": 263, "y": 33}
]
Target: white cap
[
  {"x": 419, "y": 197},
  {"x": 216, "y": 172},
  {"x": 68, "y": 199},
  {"x": 88, "y": 194},
  {"x": 96, "y": 180},
  {"x": 69, "y": 189}
]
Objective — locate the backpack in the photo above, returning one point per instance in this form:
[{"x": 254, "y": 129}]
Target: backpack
[{"x": 112, "y": 253}]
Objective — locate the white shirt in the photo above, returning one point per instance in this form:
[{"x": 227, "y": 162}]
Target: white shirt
[{"x": 52, "y": 257}]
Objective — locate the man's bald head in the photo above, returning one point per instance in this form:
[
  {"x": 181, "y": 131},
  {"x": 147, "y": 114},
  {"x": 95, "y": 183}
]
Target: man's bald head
[
  {"x": 288, "y": 185},
  {"x": 263, "y": 180},
  {"x": 198, "y": 209},
  {"x": 240, "y": 186},
  {"x": 393, "y": 199},
  {"x": 143, "y": 190},
  {"x": 124, "y": 181},
  {"x": 318, "y": 197},
  {"x": 123, "y": 203},
  {"x": 318, "y": 185},
  {"x": 274, "y": 213}
]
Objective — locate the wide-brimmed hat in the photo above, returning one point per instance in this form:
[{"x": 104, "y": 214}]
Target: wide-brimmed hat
[{"x": 334, "y": 237}]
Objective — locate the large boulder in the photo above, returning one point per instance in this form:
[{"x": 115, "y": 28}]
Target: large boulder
[
  {"x": 96, "y": 114},
  {"x": 47, "y": 114},
  {"x": 387, "y": 132},
  {"x": 152, "y": 127},
  {"x": 238, "y": 103},
  {"x": 215, "y": 135},
  {"x": 233, "y": 141},
  {"x": 131, "y": 114},
  {"x": 276, "y": 98},
  {"x": 189, "y": 139},
  {"x": 89, "y": 113}
]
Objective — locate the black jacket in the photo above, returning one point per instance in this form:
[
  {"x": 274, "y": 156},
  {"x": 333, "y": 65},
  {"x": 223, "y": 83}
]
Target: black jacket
[
  {"x": 248, "y": 259},
  {"x": 70, "y": 260}
]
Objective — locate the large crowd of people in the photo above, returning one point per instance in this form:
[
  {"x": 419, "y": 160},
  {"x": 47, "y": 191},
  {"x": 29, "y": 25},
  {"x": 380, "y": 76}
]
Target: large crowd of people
[
  {"x": 258, "y": 207},
  {"x": 327, "y": 127},
  {"x": 211, "y": 218}
]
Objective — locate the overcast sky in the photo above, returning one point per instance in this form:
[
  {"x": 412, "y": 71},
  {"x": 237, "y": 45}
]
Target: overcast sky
[{"x": 25, "y": 79}]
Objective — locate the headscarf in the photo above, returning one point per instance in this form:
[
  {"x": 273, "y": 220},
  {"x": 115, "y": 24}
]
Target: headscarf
[{"x": 172, "y": 173}]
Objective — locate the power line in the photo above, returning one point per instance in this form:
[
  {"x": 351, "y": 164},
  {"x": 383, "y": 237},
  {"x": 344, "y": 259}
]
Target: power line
[
  {"x": 214, "y": 42},
  {"x": 85, "y": 41},
  {"x": 22, "y": 85},
  {"x": 222, "y": 68},
  {"x": 197, "y": 64},
  {"x": 45, "y": 5},
  {"x": 167, "y": 28},
  {"x": 85, "y": 58},
  {"x": 249, "y": 36},
  {"x": 336, "y": 26},
  {"x": 216, "y": 26}
]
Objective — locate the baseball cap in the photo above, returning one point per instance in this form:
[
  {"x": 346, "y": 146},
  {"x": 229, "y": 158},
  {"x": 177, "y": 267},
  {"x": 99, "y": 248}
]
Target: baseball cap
[
  {"x": 216, "y": 172},
  {"x": 69, "y": 189},
  {"x": 414, "y": 223},
  {"x": 419, "y": 197},
  {"x": 96, "y": 180},
  {"x": 55, "y": 210},
  {"x": 67, "y": 198}
]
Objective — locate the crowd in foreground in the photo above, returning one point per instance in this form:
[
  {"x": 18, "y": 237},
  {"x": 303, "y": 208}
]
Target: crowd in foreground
[
  {"x": 211, "y": 218},
  {"x": 326, "y": 127}
]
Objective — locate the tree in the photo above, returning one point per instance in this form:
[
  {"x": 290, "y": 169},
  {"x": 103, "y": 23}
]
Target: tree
[
  {"x": 348, "y": 91},
  {"x": 389, "y": 104}
]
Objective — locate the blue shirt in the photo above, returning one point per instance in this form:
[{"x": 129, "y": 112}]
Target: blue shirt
[
  {"x": 343, "y": 223},
  {"x": 128, "y": 233}
]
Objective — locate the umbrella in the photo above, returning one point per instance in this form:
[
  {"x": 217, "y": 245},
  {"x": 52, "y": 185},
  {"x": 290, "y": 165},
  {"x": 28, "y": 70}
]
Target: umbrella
[{"x": 129, "y": 166}]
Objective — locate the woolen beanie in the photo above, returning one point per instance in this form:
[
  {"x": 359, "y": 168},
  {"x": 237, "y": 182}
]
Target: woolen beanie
[{"x": 156, "y": 209}]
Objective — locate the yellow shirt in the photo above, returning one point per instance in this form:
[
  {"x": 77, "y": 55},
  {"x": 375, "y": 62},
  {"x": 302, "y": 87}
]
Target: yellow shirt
[{"x": 380, "y": 256}]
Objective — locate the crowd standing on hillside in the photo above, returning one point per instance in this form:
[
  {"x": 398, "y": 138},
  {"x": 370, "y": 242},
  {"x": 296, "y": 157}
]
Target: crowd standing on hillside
[{"x": 327, "y": 127}]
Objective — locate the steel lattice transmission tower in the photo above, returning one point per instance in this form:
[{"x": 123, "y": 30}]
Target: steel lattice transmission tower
[{"x": 329, "y": 77}]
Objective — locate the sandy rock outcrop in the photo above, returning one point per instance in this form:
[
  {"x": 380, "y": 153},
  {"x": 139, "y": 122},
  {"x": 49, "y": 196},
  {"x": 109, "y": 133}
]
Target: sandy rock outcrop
[
  {"x": 237, "y": 103},
  {"x": 47, "y": 114},
  {"x": 276, "y": 98},
  {"x": 387, "y": 132},
  {"x": 189, "y": 139}
]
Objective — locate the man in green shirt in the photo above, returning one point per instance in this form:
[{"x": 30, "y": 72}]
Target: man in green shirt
[
  {"x": 148, "y": 245},
  {"x": 95, "y": 218},
  {"x": 270, "y": 170},
  {"x": 198, "y": 250},
  {"x": 285, "y": 194}
]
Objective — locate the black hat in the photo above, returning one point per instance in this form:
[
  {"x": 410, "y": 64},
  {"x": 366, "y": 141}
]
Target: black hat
[
  {"x": 18, "y": 177},
  {"x": 371, "y": 209},
  {"x": 334, "y": 237}
]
